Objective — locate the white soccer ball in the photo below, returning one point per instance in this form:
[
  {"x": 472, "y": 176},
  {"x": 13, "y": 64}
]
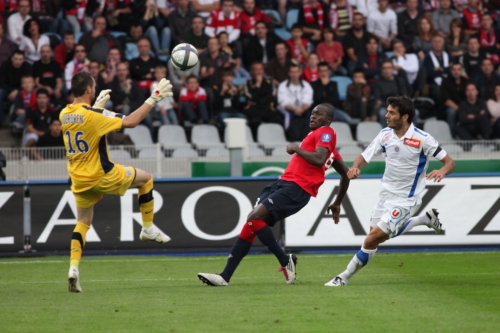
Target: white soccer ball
[{"x": 184, "y": 57}]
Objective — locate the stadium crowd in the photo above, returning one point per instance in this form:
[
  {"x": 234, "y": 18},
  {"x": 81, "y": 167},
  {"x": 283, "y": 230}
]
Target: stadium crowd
[{"x": 263, "y": 60}]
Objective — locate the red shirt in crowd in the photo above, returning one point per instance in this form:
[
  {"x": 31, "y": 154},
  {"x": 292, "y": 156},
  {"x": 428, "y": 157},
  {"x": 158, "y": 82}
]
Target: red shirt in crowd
[
  {"x": 330, "y": 54},
  {"x": 193, "y": 96},
  {"x": 248, "y": 21},
  {"x": 217, "y": 22},
  {"x": 309, "y": 75},
  {"x": 303, "y": 173},
  {"x": 472, "y": 20},
  {"x": 295, "y": 49}
]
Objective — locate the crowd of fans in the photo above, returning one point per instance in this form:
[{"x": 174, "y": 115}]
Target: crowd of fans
[{"x": 443, "y": 53}]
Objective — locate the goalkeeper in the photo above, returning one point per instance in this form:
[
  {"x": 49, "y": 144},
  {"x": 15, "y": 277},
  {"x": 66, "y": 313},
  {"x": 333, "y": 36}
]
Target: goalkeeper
[{"x": 92, "y": 172}]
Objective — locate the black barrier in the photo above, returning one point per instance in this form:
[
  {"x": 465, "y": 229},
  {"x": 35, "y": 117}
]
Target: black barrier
[{"x": 207, "y": 214}]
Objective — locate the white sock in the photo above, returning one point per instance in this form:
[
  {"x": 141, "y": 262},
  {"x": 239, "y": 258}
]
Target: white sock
[
  {"x": 74, "y": 269},
  {"x": 360, "y": 259},
  {"x": 150, "y": 229},
  {"x": 413, "y": 222}
]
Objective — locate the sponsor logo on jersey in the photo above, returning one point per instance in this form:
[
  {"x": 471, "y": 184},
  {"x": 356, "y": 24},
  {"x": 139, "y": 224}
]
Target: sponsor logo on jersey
[
  {"x": 396, "y": 149},
  {"x": 326, "y": 137},
  {"x": 396, "y": 213},
  {"x": 413, "y": 142}
]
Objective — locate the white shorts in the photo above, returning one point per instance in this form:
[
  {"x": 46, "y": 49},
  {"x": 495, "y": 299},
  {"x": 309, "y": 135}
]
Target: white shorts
[
  {"x": 391, "y": 212},
  {"x": 30, "y": 136}
]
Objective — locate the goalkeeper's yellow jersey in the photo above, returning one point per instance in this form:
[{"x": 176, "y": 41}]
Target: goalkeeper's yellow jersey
[{"x": 84, "y": 130}]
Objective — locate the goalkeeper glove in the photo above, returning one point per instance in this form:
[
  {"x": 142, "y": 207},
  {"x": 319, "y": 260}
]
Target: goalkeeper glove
[
  {"x": 160, "y": 91},
  {"x": 102, "y": 99}
]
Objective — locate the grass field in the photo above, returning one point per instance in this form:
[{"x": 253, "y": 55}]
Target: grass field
[{"x": 397, "y": 292}]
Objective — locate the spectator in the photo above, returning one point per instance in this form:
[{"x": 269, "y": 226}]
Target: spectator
[
  {"x": 197, "y": 36},
  {"x": 365, "y": 7},
  {"x": 278, "y": 67},
  {"x": 313, "y": 18},
  {"x": 193, "y": 99},
  {"x": 117, "y": 12},
  {"x": 489, "y": 39},
  {"x": 74, "y": 12},
  {"x": 129, "y": 41},
  {"x": 298, "y": 46},
  {"x": 179, "y": 21},
  {"x": 408, "y": 62},
  {"x": 443, "y": 17},
  {"x": 16, "y": 21},
  {"x": 166, "y": 107},
  {"x": 383, "y": 24},
  {"x": 437, "y": 66},
  {"x": 341, "y": 16},
  {"x": 11, "y": 73},
  {"x": 357, "y": 104},
  {"x": 326, "y": 91},
  {"x": 493, "y": 105},
  {"x": 178, "y": 78},
  {"x": 471, "y": 60},
  {"x": 386, "y": 86},
  {"x": 48, "y": 74},
  {"x": 126, "y": 95},
  {"x": 250, "y": 16},
  {"x": 260, "y": 92},
  {"x": 295, "y": 96},
  {"x": 32, "y": 41},
  {"x": 285, "y": 5},
  {"x": 370, "y": 60},
  {"x": 423, "y": 41},
  {"x": 53, "y": 138},
  {"x": 100, "y": 83},
  {"x": 38, "y": 118},
  {"x": 153, "y": 22},
  {"x": 205, "y": 7},
  {"x": 165, "y": 9},
  {"x": 98, "y": 41},
  {"x": 25, "y": 100},
  {"x": 114, "y": 58},
  {"x": 211, "y": 64},
  {"x": 355, "y": 40},
  {"x": 65, "y": 52},
  {"x": 453, "y": 93},
  {"x": 142, "y": 67},
  {"x": 224, "y": 19},
  {"x": 227, "y": 98},
  {"x": 310, "y": 72},
  {"x": 472, "y": 17},
  {"x": 234, "y": 55},
  {"x": 456, "y": 42},
  {"x": 6, "y": 46},
  {"x": 473, "y": 117},
  {"x": 79, "y": 64},
  {"x": 408, "y": 24},
  {"x": 486, "y": 79},
  {"x": 260, "y": 47},
  {"x": 331, "y": 52}
]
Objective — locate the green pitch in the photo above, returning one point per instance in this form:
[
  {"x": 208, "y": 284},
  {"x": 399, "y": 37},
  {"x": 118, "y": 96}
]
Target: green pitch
[{"x": 396, "y": 292}]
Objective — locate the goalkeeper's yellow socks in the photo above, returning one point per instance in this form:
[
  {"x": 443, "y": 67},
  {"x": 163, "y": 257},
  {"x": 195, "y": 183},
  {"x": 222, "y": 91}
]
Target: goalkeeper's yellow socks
[
  {"x": 147, "y": 203},
  {"x": 77, "y": 243}
]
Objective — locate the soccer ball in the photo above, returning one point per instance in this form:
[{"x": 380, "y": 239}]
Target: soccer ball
[{"x": 184, "y": 57}]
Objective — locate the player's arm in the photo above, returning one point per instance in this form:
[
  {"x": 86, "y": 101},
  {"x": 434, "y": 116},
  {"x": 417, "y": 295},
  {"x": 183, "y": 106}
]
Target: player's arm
[
  {"x": 162, "y": 90},
  {"x": 355, "y": 170},
  {"x": 339, "y": 166},
  {"x": 446, "y": 169},
  {"x": 316, "y": 158}
]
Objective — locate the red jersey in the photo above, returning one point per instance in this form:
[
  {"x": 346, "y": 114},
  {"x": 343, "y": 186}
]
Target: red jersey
[
  {"x": 303, "y": 173},
  {"x": 193, "y": 97},
  {"x": 248, "y": 21},
  {"x": 309, "y": 75},
  {"x": 217, "y": 22},
  {"x": 295, "y": 50},
  {"x": 472, "y": 19}
]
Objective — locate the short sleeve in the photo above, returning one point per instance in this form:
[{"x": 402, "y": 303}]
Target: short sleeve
[
  {"x": 106, "y": 121},
  {"x": 375, "y": 148},
  {"x": 326, "y": 137},
  {"x": 432, "y": 148},
  {"x": 336, "y": 155}
]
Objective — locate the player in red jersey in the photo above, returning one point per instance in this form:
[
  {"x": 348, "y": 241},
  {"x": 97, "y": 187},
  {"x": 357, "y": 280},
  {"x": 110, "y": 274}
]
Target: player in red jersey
[{"x": 302, "y": 178}]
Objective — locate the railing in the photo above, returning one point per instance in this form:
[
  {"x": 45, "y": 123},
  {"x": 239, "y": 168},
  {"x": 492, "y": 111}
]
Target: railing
[{"x": 50, "y": 163}]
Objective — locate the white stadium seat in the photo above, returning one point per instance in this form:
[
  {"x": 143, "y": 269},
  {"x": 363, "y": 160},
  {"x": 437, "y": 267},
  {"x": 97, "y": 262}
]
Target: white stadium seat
[
  {"x": 185, "y": 152},
  {"x": 366, "y": 131},
  {"x": 271, "y": 135},
  {"x": 343, "y": 132},
  {"x": 172, "y": 137},
  {"x": 205, "y": 137},
  {"x": 439, "y": 129},
  {"x": 149, "y": 153},
  {"x": 140, "y": 135}
]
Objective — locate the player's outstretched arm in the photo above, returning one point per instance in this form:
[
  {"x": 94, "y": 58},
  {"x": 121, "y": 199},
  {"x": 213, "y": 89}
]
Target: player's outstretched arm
[
  {"x": 316, "y": 158},
  {"x": 339, "y": 166},
  {"x": 355, "y": 170},
  {"x": 446, "y": 169},
  {"x": 162, "y": 90}
]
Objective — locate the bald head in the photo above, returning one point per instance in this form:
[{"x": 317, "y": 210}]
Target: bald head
[{"x": 327, "y": 109}]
